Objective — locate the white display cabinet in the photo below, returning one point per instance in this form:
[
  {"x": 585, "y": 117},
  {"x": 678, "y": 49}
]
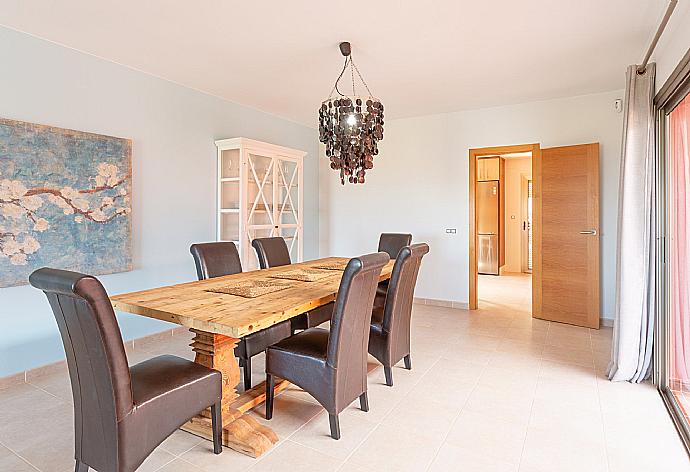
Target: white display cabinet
[{"x": 259, "y": 195}]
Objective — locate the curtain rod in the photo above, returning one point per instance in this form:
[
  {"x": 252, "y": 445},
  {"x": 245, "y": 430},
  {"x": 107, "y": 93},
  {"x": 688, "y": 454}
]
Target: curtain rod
[{"x": 664, "y": 21}]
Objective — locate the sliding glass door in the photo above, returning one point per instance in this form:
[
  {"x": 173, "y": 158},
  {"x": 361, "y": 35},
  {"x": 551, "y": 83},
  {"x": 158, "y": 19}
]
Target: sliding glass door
[
  {"x": 678, "y": 255},
  {"x": 673, "y": 333}
]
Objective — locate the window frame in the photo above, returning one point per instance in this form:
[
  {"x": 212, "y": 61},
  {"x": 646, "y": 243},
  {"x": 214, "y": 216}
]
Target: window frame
[{"x": 674, "y": 90}]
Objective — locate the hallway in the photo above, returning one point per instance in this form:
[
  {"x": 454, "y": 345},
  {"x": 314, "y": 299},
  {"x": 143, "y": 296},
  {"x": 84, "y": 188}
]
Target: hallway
[{"x": 512, "y": 292}]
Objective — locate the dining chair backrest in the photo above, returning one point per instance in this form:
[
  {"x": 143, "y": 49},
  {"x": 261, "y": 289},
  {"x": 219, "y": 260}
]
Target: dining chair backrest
[
  {"x": 397, "y": 311},
  {"x": 392, "y": 243},
  {"x": 349, "y": 331},
  {"x": 96, "y": 359},
  {"x": 216, "y": 259},
  {"x": 271, "y": 252}
]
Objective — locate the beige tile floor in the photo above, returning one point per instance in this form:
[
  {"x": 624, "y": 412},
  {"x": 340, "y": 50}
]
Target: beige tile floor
[{"x": 491, "y": 390}]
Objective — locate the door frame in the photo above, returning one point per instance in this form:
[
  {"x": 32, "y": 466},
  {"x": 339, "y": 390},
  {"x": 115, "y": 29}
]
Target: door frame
[{"x": 535, "y": 149}]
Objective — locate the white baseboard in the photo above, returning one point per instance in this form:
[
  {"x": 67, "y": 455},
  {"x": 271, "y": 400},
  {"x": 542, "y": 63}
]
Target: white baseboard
[{"x": 441, "y": 303}]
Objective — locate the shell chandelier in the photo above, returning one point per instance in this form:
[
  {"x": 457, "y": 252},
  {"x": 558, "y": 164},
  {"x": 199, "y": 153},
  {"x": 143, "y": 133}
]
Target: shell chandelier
[{"x": 351, "y": 126}]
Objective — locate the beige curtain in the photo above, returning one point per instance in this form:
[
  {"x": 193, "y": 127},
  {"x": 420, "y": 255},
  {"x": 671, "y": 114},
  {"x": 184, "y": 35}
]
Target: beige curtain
[{"x": 633, "y": 330}]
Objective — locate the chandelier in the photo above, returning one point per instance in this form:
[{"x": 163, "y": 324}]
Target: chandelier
[{"x": 351, "y": 126}]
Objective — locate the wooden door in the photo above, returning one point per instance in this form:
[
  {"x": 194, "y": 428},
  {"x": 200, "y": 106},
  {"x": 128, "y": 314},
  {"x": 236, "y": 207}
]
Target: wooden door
[{"x": 566, "y": 235}]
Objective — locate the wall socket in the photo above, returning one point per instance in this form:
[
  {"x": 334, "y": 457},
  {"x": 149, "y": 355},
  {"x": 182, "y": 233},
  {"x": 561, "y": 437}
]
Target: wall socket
[
  {"x": 451, "y": 230},
  {"x": 618, "y": 105}
]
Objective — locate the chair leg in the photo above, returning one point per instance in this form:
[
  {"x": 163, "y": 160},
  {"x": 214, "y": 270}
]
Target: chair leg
[
  {"x": 408, "y": 362},
  {"x": 81, "y": 467},
  {"x": 217, "y": 426},
  {"x": 389, "y": 375},
  {"x": 269, "y": 396},
  {"x": 247, "y": 371},
  {"x": 335, "y": 426},
  {"x": 364, "y": 402}
]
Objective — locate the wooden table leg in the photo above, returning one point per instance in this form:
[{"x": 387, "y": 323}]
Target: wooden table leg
[{"x": 240, "y": 431}]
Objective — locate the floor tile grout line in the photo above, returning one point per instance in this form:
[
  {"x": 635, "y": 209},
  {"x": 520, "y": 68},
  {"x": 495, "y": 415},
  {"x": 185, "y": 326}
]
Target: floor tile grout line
[
  {"x": 186, "y": 450},
  {"x": 378, "y": 424},
  {"x": 175, "y": 457},
  {"x": 455, "y": 419},
  {"x": 62, "y": 400},
  {"x": 531, "y": 408},
  {"x": 410, "y": 390},
  {"x": 601, "y": 408},
  {"x": 19, "y": 456},
  {"x": 312, "y": 418}
]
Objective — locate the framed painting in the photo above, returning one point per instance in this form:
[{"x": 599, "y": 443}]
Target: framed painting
[{"x": 65, "y": 201}]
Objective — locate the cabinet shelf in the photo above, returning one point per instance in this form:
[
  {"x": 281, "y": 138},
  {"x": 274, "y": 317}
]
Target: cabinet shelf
[{"x": 270, "y": 182}]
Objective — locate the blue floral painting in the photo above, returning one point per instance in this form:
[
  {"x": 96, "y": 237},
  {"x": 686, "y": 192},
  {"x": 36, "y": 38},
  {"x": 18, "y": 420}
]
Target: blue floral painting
[{"x": 65, "y": 201}]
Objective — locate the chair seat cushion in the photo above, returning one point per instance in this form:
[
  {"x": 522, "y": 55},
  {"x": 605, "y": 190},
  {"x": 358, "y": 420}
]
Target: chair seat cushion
[
  {"x": 301, "y": 359},
  {"x": 311, "y": 343},
  {"x": 175, "y": 381},
  {"x": 167, "y": 391},
  {"x": 256, "y": 343},
  {"x": 313, "y": 318}
]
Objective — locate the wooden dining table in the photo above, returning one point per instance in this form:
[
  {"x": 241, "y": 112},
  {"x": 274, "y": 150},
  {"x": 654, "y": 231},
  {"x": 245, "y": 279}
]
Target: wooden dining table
[{"x": 219, "y": 321}]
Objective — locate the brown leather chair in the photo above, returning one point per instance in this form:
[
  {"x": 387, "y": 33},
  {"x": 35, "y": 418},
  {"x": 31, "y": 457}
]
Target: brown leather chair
[
  {"x": 391, "y": 243},
  {"x": 389, "y": 341},
  {"x": 219, "y": 259},
  {"x": 273, "y": 252},
  {"x": 120, "y": 413},
  {"x": 332, "y": 366}
]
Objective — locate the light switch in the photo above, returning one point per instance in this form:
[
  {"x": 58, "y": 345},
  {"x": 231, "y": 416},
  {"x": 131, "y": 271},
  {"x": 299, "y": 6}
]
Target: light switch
[{"x": 451, "y": 231}]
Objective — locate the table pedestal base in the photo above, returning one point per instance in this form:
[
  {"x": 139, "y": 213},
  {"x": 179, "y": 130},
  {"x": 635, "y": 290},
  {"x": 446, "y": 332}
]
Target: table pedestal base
[{"x": 241, "y": 432}]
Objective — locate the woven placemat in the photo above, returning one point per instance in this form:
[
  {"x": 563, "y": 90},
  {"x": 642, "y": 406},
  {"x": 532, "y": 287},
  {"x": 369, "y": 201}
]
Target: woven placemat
[
  {"x": 335, "y": 265},
  {"x": 304, "y": 275},
  {"x": 251, "y": 288}
]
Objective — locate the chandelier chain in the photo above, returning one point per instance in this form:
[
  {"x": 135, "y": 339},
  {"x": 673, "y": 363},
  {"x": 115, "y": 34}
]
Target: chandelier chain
[
  {"x": 353, "y": 69},
  {"x": 362, "y": 79}
]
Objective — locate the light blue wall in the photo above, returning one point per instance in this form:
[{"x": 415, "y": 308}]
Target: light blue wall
[{"x": 174, "y": 169}]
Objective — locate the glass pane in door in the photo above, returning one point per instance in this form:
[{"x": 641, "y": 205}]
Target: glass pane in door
[
  {"x": 252, "y": 262},
  {"x": 678, "y": 241},
  {"x": 259, "y": 190},
  {"x": 291, "y": 236},
  {"x": 287, "y": 184}
]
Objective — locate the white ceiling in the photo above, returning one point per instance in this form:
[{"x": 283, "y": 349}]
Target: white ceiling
[{"x": 418, "y": 57}]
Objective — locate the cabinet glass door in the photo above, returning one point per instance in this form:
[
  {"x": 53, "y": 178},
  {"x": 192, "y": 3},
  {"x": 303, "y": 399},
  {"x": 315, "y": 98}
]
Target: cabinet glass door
[
  {"x": 287, "y": 214},
  {"x": 287, "y": 192},
  {"x": 259, "y": 190}
]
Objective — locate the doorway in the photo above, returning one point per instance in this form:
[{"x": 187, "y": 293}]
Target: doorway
[
  {"x": 502, "y": 213},
  {"x": 563, "y": 192}
]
